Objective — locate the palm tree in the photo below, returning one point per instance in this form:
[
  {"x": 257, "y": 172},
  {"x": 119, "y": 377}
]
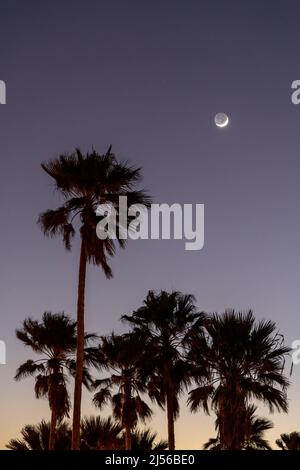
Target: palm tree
[
  {"x": 36, "y": 437},
  {"x": 145, "y": 440},
  {"x": 254, "y": 439},
  {"x": 123, "y": 387},
  {"x": 245, "y": 361},
  {"x": 289, "y": 441},
  {"x": 100, "y": 434},
  {"x": 163, "y": 325},
  {"x": 55, "y": 339},
  {"x": 106, "y": 434},
  {"x": 85, "y": 182}
]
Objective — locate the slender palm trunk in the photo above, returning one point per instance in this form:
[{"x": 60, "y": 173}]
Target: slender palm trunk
[
  {"x": 52, "y": 429},
  {"x": 127, "y": 398},
  {"x": 170, "y": 414},
  {"x": 128, "y": 443},
  {"x": 80, "y": 349}
]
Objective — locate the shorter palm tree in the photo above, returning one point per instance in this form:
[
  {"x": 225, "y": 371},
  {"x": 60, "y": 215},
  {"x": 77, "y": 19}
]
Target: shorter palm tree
[
  {"x": 55, "y": 339},
  {"x": 289, "y": 441},
  {"x": 146, "y": 440},
  {"x": 123, "y": 388},
  {"x": 100, "y": 434},
  {"x": 245, "y": 361},
  {"x": 36, "y": 437},
  {"x": 254, "y": 439},
  {"x": 164, "y": 324}
]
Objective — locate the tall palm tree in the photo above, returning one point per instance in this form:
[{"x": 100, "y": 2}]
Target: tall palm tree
[
  {"x": 254, "y": 439},
  {"x": 163, "y": 325},
  {"x": 245, "y": 361},
  {"x": 123, "y": 388},
  {"x": 289, "y": 441},
  {"x": 55, "y": 339},
  {"x": 84, "y": 182},
  {"x": 36, "y": 437}
]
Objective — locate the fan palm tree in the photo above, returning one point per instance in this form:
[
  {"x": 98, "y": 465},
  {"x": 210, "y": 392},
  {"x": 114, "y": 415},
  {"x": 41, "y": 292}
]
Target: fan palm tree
[
  {"x": 254, "y": 439},
  {"x": 289, "y": 441},
  {"x": 36, "y": 437},
  {"x": 55, "y": 339},
  {"x": 100, "y": 434},
  {"x": 123, "y": 388},
  {"x": 106, "y": 434},
  {"x": 146, "y": 440},
  {"x": 245, "y": 362},
  {"x": 163, "y": 325},
  {"x": 85, "y": 182}
]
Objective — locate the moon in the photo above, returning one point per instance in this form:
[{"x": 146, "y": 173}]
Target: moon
[{"x": 221, "y": 120}]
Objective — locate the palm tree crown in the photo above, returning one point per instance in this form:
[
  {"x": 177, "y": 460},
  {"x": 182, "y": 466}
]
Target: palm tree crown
[
  {"x": 289, "y": 441},
  {"x": 254, "y": 437},
  {"x": 245, "y": 361},
  {"x": 85, "y": 182},
  {"x": 36, "y": 437}
]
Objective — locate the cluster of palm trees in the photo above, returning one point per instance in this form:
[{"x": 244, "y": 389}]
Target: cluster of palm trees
[
  {"x": 225, "y": 362},
  {"x": 96, "y": 434}
]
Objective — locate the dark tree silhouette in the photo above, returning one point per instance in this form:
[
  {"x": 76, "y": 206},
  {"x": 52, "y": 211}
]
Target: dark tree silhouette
[
  {"x": 36, "y": 437},
  {"x": 245, "y": 361},
  {"x": 289, "y": 441},
  {"x": 254, "y": 439},
  {"x": 54, "y": 338},
  {"x": 100, "y": 433},
  {"x": 164, "y": 325},
  {"x": 84, "y": 182},
  {"x": 123, "y": 388}
]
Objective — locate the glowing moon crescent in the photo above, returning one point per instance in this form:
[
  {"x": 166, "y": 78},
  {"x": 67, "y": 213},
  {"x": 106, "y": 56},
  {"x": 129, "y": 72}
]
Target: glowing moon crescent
[{"x": 221, "y": 120}]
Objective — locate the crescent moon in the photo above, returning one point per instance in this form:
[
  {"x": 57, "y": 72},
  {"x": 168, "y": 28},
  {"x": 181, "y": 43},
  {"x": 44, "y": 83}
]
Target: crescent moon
[{"x": 221, "y": 120}]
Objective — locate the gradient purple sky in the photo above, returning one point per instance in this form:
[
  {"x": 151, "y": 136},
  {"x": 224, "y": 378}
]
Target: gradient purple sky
[{"x": 148, "y": 78}]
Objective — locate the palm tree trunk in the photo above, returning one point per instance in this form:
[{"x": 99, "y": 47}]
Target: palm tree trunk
[
  {"x": 80, "y": 349},
  {"x": 127, "y": 399},
  {"x": 52, "y": 434},
  {"x": 127, "y": 438},
  {"x": 170, "y": 414}
]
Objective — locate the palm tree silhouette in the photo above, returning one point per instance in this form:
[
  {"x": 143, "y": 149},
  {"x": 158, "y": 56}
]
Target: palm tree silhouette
[
  {"x": 145, "y": 440},
  {"x": 289, "y": 441},
  {"x": 55, "y": 339},
  {"x": 96, "y": 434},
  {"x": 254, "y": 439},
  {"x": 119, "y": 354},
  {"x": 86, "y": 181},
  {"x": 36, "y": 437},
  {"x": 245, "y": 361},
  {"x": 100, "y": 433},
  {"x": 164, "y": 325}
]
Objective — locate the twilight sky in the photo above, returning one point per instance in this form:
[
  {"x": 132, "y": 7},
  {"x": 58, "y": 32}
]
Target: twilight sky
[{"x": 148, "y": 78}]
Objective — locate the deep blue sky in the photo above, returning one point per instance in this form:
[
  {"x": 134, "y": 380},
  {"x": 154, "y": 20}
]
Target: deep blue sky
[{"x": 148, "y": 78}]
